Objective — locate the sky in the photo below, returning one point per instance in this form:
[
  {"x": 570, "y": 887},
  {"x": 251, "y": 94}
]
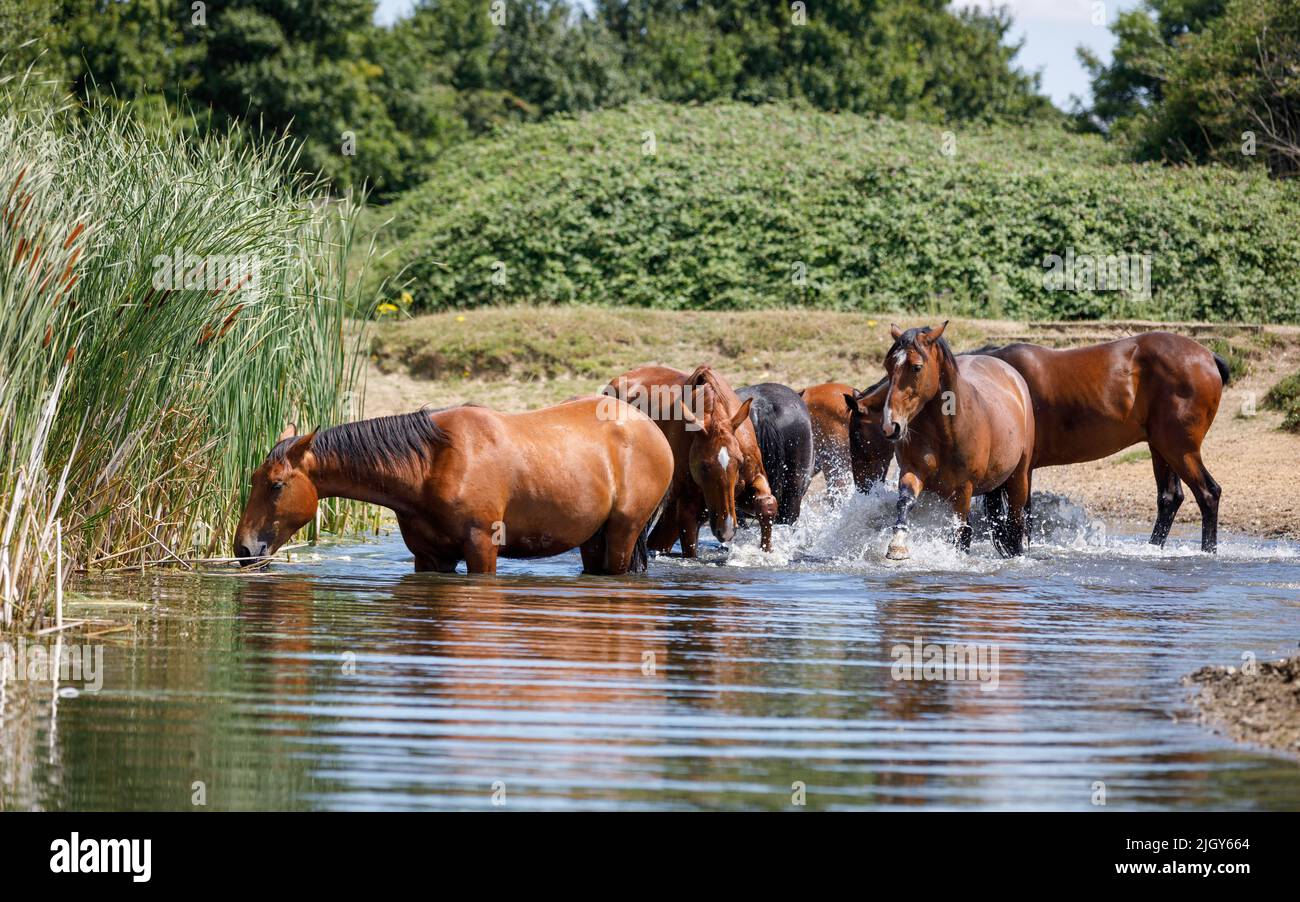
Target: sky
[{"x": 1050, "y": 29}]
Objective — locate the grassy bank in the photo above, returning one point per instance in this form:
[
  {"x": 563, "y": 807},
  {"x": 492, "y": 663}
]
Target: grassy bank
[
  {"x": 736, "y": 207},
  {"x": 525, "y": 356},
  {"x": 165, "y": 307}
]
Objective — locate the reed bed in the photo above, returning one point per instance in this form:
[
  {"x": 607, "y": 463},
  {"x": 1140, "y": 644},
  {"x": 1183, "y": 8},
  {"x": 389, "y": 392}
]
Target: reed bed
[{"x": 166, "y": 306}]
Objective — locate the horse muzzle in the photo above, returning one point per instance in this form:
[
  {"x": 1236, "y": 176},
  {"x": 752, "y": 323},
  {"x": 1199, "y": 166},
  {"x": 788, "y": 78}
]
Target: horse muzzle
[
  {"x": 724, "y": 529},
  {"x": 894, "y": 431},
  {"x": 250, "y": 554}
]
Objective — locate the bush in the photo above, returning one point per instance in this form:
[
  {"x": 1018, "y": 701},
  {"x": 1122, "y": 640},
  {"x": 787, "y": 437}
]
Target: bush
[{"x": 731, "y": 206}]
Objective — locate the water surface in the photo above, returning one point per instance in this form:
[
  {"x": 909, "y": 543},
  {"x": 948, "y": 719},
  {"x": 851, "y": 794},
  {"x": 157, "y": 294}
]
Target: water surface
[{"x": 344, "y": 681}]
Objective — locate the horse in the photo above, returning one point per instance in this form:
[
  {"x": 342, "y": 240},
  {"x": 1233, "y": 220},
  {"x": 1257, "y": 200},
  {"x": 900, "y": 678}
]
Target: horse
[
  {"x": 785, "y": 442},
  {"x": 830, "y": 428},
  {"x": 870, "y": 452},
  {"x": 1156, "y": 387},
  {"x": 717, "y": 461},
  {"x": 961, "y": 427},
  {"x": 470, "y": 483},
  {"x": 1094, "y": 401}
]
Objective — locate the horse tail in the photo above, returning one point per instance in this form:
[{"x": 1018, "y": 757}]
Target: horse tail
[
  {"x": 641, "y": 551},
  {"x": 1225, "y": 372}
]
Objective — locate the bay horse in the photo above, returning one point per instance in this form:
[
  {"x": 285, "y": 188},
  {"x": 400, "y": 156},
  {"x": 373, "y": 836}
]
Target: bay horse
[
  {"x": 830, "y": 428},
  {"x": 785, "y": 442},
  {"x": 469, "y": 483},
  {"x": 1156, "y": 387},
  {"x": 961, "y": 427},
  {"x": 717, "y": 463}
]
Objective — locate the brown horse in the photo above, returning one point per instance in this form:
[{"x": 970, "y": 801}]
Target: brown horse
[
  {"x": 717, "y": 461},
  {"x": 830, "y": 426},
  {"x": 961, "y": 427},
  {"x": 1156, "y": 387},
  {"x": 469, "y": 483},
  {"x": 1091, "y": 402}
]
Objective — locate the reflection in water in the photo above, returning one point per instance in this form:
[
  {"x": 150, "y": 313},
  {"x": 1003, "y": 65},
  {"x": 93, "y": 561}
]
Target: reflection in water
[{"x": 349, "y": 682}]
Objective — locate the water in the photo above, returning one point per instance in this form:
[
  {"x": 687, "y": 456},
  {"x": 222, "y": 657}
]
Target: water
[{"x": 345, "y": 681}]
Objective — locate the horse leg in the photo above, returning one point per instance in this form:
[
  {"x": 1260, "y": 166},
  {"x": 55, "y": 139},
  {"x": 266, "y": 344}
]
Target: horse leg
[
  {"x": 593, "y": 552},
  {"x": 995, "y": 511},
  {"x": 1191, "y": 470},
  {"x": 961, "y": 506},
  {"x": 664, "y": 536},
  {"x": 621, "y": 534},
  {"x": 1169, "y": 497},
  {"x": 481, "y": 552},
  {"x": 1018, "y": 489},
  {"x": 688, "y": 526},
  {"x": 909, "y": 487}
]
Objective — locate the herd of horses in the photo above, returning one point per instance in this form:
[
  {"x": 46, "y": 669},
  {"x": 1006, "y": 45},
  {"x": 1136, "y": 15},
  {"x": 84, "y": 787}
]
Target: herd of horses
[{"x": 659, "y": 452}]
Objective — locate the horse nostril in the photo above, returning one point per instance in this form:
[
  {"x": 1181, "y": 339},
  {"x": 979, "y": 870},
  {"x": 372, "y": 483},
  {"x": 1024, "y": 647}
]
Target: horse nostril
[{"x": 241, "y": 550}]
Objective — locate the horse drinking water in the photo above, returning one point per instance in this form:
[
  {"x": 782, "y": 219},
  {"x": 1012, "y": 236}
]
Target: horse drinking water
[
  {"x": 469, "y": 484},
  {"x": 961, "y": 427}
]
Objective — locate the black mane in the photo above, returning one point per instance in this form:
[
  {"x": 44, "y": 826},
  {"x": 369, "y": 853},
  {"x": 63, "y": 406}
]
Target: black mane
[{"x": 381, "y": 443}]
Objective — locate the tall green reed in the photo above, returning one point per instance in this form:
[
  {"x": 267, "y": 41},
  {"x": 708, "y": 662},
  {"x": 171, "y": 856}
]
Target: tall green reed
[{"x": 137, "y": 396}]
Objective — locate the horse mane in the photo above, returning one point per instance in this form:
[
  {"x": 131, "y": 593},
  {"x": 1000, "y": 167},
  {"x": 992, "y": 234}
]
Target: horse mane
[
  {"x": 705, "y": 374},
  {"x": 360, "y": 448},
  {"x": 911, "y": 340}
]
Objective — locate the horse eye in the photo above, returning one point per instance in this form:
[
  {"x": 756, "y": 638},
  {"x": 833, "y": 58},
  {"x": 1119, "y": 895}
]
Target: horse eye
[{"x": 917, "y": 367}]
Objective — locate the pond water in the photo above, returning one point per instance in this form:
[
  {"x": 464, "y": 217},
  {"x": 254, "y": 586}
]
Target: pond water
[{"x": 344, "y": 681}]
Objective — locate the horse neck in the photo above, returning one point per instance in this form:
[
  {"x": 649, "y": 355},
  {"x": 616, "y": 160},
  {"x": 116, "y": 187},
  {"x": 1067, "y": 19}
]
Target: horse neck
[
  {"x": 950, "y": 380},
  {"x": 397, "y": 488}
]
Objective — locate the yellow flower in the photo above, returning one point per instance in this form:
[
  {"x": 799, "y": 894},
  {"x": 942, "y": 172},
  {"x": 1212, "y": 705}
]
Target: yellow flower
[
  {"x": 406, "y": 298},
  {"x": 387, "y": 308},
  {"x": 460, "y": 319},
  {"x": 871, "y": 322}
]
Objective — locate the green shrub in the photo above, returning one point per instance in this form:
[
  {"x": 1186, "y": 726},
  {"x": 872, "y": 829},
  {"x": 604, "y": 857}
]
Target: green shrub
[
  {"x": 1285, "y": 396},
  {"x": 747, "y": 207}
]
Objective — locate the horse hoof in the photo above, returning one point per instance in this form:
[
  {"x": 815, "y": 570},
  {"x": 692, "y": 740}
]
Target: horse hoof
[{"x": 897, "y": 553}]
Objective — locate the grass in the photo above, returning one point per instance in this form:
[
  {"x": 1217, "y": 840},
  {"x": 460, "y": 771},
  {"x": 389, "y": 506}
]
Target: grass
[
  {"x": 758, "y": 207},
  {"x": 526, "y": 356},
  {"x": 134, "y": 402},
  {"x": 541, "y": 344}
]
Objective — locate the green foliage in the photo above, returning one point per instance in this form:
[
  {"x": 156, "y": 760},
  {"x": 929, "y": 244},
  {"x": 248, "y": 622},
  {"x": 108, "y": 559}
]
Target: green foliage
[
  {"x": 902, "y": 58},
  {"x": 736, "y": 203},
  {"x": 378, "y": 105},
  {"x": 1199, "y": 80},
  {"x": 134, "y": 402},
  {"x": 1285, "y": 396}
]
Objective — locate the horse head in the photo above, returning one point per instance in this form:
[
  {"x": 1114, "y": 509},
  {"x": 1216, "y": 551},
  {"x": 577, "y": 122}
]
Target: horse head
[
  {"x": 914, "y": 365},
  {"x": 716, "y": 456},
  {"x": 281, "y": 500}
]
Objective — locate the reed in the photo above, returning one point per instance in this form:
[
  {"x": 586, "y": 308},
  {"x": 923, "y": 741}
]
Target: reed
[{"x": 136, "y": 394}]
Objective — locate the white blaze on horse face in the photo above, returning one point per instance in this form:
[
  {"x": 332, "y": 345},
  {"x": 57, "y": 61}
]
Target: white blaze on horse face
[
  {"x": 724, "y": 458},
  {"x": 900, "y": 357}
]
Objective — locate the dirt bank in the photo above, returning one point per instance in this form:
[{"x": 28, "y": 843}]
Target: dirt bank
[
  {"x": 1259, "y": 703},
  {"x": 518, "y": 358}
]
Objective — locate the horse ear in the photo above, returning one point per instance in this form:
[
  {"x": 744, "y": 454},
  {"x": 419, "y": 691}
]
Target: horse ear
[
  {"x": 742, "y": 414},
  {"x": 299, "y": 448},
  {"x": 851, "y": 401},
  {"x": 896, "y": 332},
  {"x": 935, "y": 334},
  {"x": 289, "y": 432}
]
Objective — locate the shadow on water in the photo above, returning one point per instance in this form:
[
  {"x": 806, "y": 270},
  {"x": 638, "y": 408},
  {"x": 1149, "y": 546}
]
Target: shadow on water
[{"x": 345, "y": 681}]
